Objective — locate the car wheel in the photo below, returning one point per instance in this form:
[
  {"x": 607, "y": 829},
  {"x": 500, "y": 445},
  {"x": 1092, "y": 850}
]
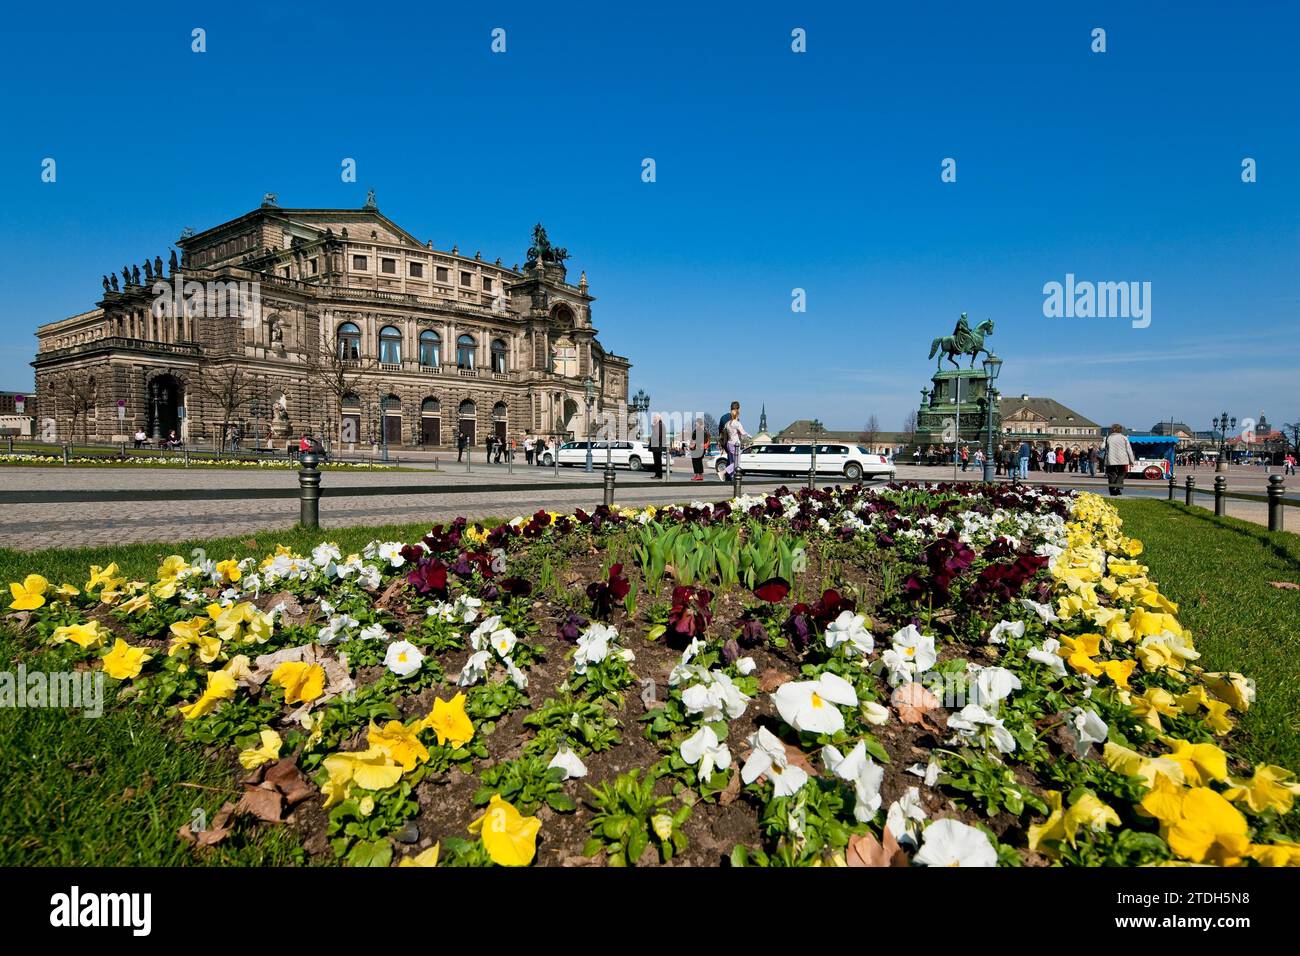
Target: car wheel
[
  {"x": 634, "y": 463},
  {"x": 1153, "y": 472},
  {"x": 720, "y": 468},
  {"x": 546, "y": 460},
  {"x": 853, "y": 471}
]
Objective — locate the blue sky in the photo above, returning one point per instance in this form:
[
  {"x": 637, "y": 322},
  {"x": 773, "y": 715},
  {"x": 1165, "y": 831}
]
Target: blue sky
[{"x": 775, "y": 171}]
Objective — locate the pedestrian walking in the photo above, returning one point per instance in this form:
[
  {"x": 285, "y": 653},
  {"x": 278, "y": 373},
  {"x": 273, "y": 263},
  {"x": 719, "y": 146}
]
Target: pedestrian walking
[
  {"x": 1024, "y": 454},
  {"x": 699, "y": 448},
  {"x": 530, "y": 443},
  {"x": 964, "y": 456},
  {"x": 1119, "y": 458},
  {"x": 733, "y": 432},
  {"x": 462, "y": 441}
]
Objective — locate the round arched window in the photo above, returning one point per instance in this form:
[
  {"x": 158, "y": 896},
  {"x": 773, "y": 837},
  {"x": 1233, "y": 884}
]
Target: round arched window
[
  {"x": 349, "y": 336},
  {"x": 390, "y": 345}
]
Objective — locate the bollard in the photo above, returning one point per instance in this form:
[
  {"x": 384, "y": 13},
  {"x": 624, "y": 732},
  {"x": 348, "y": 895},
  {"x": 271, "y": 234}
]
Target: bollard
[
  {"x": 555, "y": 460},
  {"x": 1190, "y": 485},
  {"x": 308, "y": 490},
  {"x": 609, "y": 487},
  {"x": 812, "y": 478},
  {"x": 124, "y": 451},
  {"x": 11, "y": 444},
  {"x": 469, "y": 457},
  {"x": 1171, "y": 487},
  {"x": 186, "y": 453},
  {"x": 1220, "y": 486},
  {"x": 510, "y": 462},
  {"x": 65, "y": 454},
  {"x": 736, "y": 483},
  {"x": 1275, "y": 492}
]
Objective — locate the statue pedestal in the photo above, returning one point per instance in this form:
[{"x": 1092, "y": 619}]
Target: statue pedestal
[{"x": 955, "y": 409}]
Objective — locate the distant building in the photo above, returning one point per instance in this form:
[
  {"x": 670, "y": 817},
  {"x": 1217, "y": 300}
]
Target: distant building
[
  {"x": 11, "y": 422},
  {"x": 1180, "y": 430},
  {"x": 1046, "y": 422},
  {"x": 880, "y": 443}
]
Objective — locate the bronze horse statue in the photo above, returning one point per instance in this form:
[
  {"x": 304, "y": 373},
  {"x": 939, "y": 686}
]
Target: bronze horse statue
[{"x": 962, "y": 342}]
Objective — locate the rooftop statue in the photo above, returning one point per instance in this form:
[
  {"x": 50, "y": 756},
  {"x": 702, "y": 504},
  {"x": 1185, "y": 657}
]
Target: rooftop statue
[{"x": 542, "y": 251}]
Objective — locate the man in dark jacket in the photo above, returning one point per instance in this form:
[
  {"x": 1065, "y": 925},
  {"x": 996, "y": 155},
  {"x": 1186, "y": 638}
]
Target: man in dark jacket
[
  {"x": 658, "y": 444},
  {"x": 462, "y": 442}
]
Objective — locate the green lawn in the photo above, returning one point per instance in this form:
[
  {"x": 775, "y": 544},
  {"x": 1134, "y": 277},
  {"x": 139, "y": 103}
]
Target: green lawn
[
  {"x": 114, "y": 790},
  {"x": 1218, "y": 570}
]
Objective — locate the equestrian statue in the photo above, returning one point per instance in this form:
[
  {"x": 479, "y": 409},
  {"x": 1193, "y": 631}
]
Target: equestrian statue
[{"x": 963, "y": 341}]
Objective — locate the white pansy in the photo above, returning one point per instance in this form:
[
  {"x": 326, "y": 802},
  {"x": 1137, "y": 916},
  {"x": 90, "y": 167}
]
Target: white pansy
[
  {"x": 974, "y": 723},
  {"x": 517, "y": 676},
  {"x": 503, "y": 641},
  {"x": 593, "y": 646},
  {"x": 475, "y": 668},
  {"x": 373, "y": 632},
  {"x": 325, "y": 554},
  {"x": 368, "y": 576},
  {"x": 861, "y": 771},
  {"x": 466, "y": 608},
  {"x": 1086, "y": 729},
  {"x": 390, "y": 551},
  {"x": 746, "y": 666},
  {"x": 875, "y": 714},
  {"x": 929, "y": 773},
  {"x": 769, "y": 757},
  {"x": 905, "y": 816},
  {"x": 1004, "y": 629},
  {"x": 910, "y": 654},
  {"x": 950, "y": 842},
  {"x": 851, "y": 630},
  {"x": 403, "y": 658},
  {"x": 480, "y": 636},
  {"x": 1046, "y": 613},
  {"x": 992, "y": 685},
  {"x": 337, "y": 628},
  {"x": 704, "y": 748},
  {"x": 684, "y": 670},
  {"x": 569, "y": 762},
  {"x": 716, "y": 698},
  {"x": 1046, "y": 655},
  {"x": 809, "y": 706},
  {"x": 442, "y": 611}
]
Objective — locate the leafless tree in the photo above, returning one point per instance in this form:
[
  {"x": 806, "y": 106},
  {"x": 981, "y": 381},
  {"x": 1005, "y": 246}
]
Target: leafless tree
[
  {"x": 337, "y": 374},
  {"x": 870, "y": 431},
  {"x": 74, "y": 392},
  {"x": 909, "y": 427},
  {"x": 229, "y": 388}
]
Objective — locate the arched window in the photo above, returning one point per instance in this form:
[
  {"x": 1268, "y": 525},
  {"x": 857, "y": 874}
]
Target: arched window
[
  {"x": 430, "y": 406},
  {"x": 498, "y": 355},
  {"x": 430, "y": 349},
  {"x": 390, "y": 345},
  {"x": 499, "y": 412},
  {"x": 465, "y": 348},
  {"x": 349, "y": 336},
  {"x": 468, "y": 409}
]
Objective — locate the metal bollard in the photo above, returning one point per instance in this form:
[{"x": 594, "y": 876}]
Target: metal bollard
[
  {"x": 510, "y": 462},
  {"x": 1275, "y": 492},
  {"x": 812, "y": 478},
  {"x": 186, "y": 453},
  {"x": 11, "y": 444},
  {"x": 124, "y": 450},
  {"x": 1171, "y": 487},
  {"x": 469, "y": 457},
  {"x": 736, "y": 483},
  {"x": 1190, "y": 485},
  {"x": 555, "y": 460},
  {"x": 1220, "y": 486},
  {"x": 65, "y": 454},
  {"x": 609, "y": 487},
  {"x": 308, "y": 490}
]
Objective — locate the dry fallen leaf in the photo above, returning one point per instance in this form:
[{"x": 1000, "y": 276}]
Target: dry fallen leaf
[
  {"x": 263, "y": 802},
  {"x": 798, "y": 758},
  {"x": 1285, "y": 585},
  {"x": 912, "y": 702},
  {"x": 731, "y": 791},
  {"x": 771, "y": 679},
  {"x": 866, "y": 850},
  {"x": 218, "y": 831},
  {"x": 390, "y": 593},
  {"x": 285, "y": 776}
]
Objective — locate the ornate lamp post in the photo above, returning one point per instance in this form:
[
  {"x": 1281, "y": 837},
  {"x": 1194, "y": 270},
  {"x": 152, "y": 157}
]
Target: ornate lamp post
[
  {"x": 383, "y": 424},
  {"x": 992, "y": 366},
  {"x": 590, "y": 387},
  {"x": 1221, "y": 425},
  {"x": 157, "y": 419},
  {"x": 640, "y": 404},
  {"x": 815, "y": 429}
]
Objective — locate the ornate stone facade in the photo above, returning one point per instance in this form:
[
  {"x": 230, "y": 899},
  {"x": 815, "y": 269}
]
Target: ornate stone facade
[{"x": 327, "y": 320}]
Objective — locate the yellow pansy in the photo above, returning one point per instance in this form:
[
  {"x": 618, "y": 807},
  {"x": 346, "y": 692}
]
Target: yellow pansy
[
  {"x": 280, "y": 552},
  {"x": 229, "y": 570},
  {"x": 1270, "y": 788},
  {"x": 137, "y": 605},
  {"x": 450, "y": 722},
  {"x": 125, "y": 662},
  {"x": 371, "y": 769},
  {"x": 221, "y": 686},
  {"x": 269, "y": 750},
  {"x": 1235, "y": 690},
  {"x": 1130, "y": 763},
  {"x": 1198, "y": 824},
  {"x": 399, "y": 742},
  {"x": 1201, "y": 763},
  {"x": 509, "y": 837},
  {"x": 428, "y": 858},
  {"x": 1080, "y": 651},
  {"x": 191, "y": 634},
  {"x": 83, "y": 635},
  {"x": 1086, "y": 813},
  {"x": 302, "y": 682},
  {"x": 1155, "y": 703},
  {"x": 1281, "y": 853},
  {"x": 101, "y": 576},
  {"x": 66, "y": 591},
  {"x": 1119, "y": 672},
  {"x": 29, "y": 594}
]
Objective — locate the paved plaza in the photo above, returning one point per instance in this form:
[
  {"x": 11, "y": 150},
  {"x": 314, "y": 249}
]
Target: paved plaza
[{"x": 482, "y": 491}]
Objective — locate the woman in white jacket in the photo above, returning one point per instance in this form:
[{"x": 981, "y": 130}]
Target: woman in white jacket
[{"x": 733, "y": 432}]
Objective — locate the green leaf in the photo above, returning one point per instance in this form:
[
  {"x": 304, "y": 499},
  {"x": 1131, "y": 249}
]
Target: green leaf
[
  {"x": 561, "y": 802},
  {"x": 374, "y": 853}
]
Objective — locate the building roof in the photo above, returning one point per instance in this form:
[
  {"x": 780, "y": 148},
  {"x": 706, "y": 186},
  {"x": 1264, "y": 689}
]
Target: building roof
[
  {"x": 1165, "y": 428},
  {"x": 1044, "y": 408},
  {"x": 802, "y": 429}
]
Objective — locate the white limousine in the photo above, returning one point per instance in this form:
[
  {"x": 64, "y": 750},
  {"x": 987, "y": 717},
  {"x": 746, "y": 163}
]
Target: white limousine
[
  {"x": 852, "y": 461},
  {"x": 633, "y": 455}
]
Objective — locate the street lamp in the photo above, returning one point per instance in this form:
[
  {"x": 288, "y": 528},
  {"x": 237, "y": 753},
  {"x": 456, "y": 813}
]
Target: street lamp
[
  {"x": 590, "y": 387},
  {"x": 383, "y": 424},
  {"x": 1221, "y": 425},
  {"x": 815, "y": 429},
  {"x": 992, "y": 366},
  {"x": 640, "y": 404}
]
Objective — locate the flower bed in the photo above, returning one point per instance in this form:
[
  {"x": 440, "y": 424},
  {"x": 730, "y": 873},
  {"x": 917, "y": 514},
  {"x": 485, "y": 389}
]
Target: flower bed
[
  {"x": 150, "y": 461},
  {"x": 867, "y": 678}
]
